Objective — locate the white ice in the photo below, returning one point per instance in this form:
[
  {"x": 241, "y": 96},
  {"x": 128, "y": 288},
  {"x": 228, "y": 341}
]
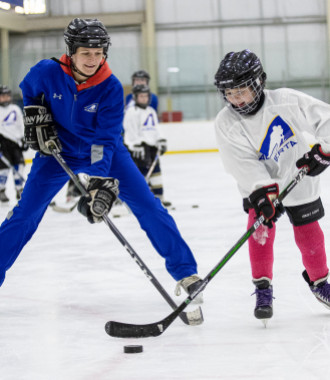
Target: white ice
[{"x": 73, "y": 277}]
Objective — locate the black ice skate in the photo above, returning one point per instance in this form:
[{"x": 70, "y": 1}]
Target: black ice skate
[
  {"x": 264, "y": 304},
  {"x": 190, "y": 284},
  {"x": 320, "y": 289},
  {"x": 3, "y": 196}
]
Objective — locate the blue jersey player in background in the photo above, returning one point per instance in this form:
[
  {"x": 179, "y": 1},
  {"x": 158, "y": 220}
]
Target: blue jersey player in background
[
  {"x": 78, "y": 103},
  {"x": 141, "y": 77}
]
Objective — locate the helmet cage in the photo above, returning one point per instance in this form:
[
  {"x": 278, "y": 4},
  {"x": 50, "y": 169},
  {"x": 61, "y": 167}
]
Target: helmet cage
[{"x": 256, "y": 86}]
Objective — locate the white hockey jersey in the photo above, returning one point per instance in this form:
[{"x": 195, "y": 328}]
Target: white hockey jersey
[
  {"x": 141, "y": 125},
  {"x": 261, "y": 149},
  {"x": 11, "y": 123}
]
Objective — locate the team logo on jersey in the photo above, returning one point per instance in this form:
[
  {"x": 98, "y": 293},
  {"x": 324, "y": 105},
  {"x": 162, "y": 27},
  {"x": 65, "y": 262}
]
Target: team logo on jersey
[
  {"x": 10, "y": 118},
  {"x": 57, "y": 96},
  {"x": 277, "y": 139},
  {"x": 149, "y": 122},
  {"x": 91, "y": 108}
]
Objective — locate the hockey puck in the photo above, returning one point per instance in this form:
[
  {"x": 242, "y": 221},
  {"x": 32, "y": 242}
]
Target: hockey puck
[
  {"x": 133, "y": 349},
  {"x": 194, "y": 206}
]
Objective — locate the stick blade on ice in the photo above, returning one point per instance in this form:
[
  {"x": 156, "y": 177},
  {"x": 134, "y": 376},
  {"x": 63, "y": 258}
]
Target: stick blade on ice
[{"x": 128, "y": 330}]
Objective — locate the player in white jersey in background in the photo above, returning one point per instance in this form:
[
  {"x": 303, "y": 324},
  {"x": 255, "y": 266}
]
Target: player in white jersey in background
[
  {"x": 143, "y": 139},
  {"x": 261, "y": 140},
  {"x": 11, "y": 143}
]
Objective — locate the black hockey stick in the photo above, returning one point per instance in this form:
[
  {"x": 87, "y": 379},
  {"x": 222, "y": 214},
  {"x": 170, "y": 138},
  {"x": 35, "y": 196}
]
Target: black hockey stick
[
  {"x": 190, "y": 318},
  {"x": 152, "y": 166},
  {"x": 125, "y": 330}
]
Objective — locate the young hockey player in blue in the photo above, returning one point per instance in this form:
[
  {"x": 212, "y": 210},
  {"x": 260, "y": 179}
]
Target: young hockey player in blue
[{"x": 78, "y": 104}]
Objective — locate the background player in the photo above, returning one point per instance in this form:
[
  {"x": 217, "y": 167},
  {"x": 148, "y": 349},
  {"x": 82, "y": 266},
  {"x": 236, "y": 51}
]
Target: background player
[
  {"x": 141, "y": 77},
  {"x": 143, "y": 139},
  {"x": 260, "y": 134},
  {"x": 11, "y": 143}
]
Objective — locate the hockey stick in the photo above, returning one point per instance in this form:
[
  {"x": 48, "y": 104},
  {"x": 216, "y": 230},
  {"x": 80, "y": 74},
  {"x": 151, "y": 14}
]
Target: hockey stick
[
  {"x": 63, "y": 210},
  {"x": 153, "y": 165},
  {"x": 190, "y": 318},
  {"x": 10, "y": 166},
  {"x": 125, "y": 330},
  {"x": 147, "y": 177}
]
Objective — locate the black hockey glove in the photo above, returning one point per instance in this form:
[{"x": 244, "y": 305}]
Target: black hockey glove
[
  {"x": 262, "y": 202},
  {"x": 40, "y": 130},
  {"x": 103, "y": 192},
  {"x": 138, "y": 151},
  {"x": 315, "y": 160},
  {"x": 162, "y": 146}
]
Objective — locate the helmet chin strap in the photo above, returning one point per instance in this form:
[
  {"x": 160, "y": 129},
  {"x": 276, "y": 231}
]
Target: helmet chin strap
[{"x": 74, "y": 68}]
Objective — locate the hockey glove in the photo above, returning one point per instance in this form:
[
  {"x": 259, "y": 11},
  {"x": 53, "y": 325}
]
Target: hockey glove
[
  {"x": 262, "y": 202},
  {"x": 315, "y": 160},
  {"x": 103, "y": 192},
  {"x": 138, "y": 152},
  {"x": 40, "y": 130},
  {"x": 162, "y": 146}
]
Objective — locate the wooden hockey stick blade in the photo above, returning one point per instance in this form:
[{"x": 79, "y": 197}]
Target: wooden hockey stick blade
[
  {"x": 127, "y": 330},
  {"x": 65, "y": 210}
]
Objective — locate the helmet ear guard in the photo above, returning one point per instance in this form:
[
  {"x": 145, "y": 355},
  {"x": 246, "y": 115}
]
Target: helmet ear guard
[{"x": 241, "y": 70}]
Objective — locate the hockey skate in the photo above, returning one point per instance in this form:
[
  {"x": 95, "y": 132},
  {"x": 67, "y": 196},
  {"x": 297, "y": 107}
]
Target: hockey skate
[
  {"x": 189, "y": 284},
  {"x": 320, "y": 289},
  {"x": 3, "y": 197},
  {"x": 264, "y": 304}
]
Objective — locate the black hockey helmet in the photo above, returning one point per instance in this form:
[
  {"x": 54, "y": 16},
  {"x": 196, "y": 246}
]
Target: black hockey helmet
[
  {"x": 4, "y": 90},
  {"x": 139, "y": 89},
  {"x": 140, "y": 74},
  {"x": 240, "y": 70},
  {"x": 86, "y": 33}
]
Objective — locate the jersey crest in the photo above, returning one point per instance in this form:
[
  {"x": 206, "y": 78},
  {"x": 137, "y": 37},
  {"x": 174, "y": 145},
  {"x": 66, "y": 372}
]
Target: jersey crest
[
  {"x": 276, "y": 140},
  {"x": 10, "y": 118},
  {"x": 92, "y": 107},
  {"x": 149, "y": 122}
]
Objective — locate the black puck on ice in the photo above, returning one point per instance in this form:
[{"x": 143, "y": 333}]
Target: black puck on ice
[
  {"x": 133, "y": 349},
  {"x": 195, "y": 206}
]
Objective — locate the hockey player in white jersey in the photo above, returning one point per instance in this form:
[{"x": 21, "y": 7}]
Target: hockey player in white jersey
[
  {"x": 11, "y": 143},
  {"x": 143, "y": 139},
  {"x": 261, "y": 140}
]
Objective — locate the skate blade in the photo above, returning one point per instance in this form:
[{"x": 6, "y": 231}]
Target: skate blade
[{"x": 264, "y": 322}]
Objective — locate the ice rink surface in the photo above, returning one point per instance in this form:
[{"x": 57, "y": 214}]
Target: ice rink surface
[{"x": 73, "y": 277}]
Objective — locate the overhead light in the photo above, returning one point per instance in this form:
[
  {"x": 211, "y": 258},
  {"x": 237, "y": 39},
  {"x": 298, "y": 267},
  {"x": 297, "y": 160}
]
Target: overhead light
[
  {"x": 173, "y": 69},
  {"x": 19, "y": 10},
  {"x": 4, "y": 5}
]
